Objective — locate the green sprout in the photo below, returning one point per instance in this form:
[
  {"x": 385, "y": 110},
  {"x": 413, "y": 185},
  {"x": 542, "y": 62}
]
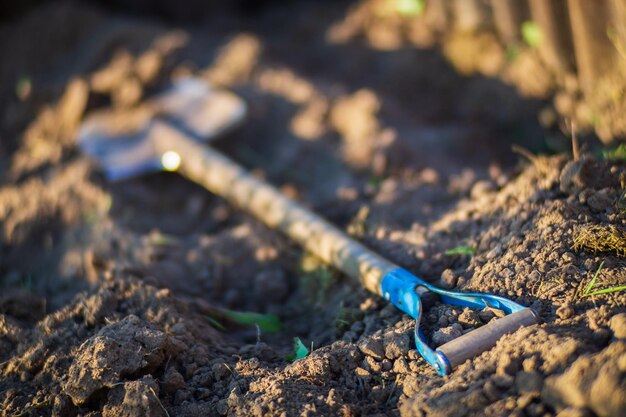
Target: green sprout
[
  {"x": 616, "y": 154},
  {"x": 299, "y": 351},
  {"x": 588, "y": 290},
  {"x": 532, "y": 34},
  {"x": 268, "y": 323},
  {"x": 461, "y": 250},
  {"x": 410, "y": 8}
]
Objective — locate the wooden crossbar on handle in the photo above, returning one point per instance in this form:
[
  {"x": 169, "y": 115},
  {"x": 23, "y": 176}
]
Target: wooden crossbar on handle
[{"x": 223, "y": 177}]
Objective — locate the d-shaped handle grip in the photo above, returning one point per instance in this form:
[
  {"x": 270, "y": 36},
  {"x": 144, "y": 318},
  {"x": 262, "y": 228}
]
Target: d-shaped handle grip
[{"x": 484, "y": 338}]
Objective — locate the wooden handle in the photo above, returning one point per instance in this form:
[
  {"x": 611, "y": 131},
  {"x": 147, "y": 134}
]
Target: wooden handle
[
  {"x": 225, "y": 178},
  {"x": 484, "y": 338}
]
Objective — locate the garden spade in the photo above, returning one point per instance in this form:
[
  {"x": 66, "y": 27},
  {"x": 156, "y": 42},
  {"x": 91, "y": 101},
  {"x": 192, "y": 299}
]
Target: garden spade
[{"x": 170, "y": 134}]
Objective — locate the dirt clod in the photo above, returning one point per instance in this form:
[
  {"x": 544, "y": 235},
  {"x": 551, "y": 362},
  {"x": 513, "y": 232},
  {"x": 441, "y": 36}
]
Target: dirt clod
[
  {"x": 566, "y": 311},
  {"x": 448, "y": 279},
  {"x": 593, "y": 381},
  {"x": 618, "y": 325},
  {"x": 373, "y": 347},
  {"x": 120, "y": 349},
  {"x": 446, "y": 334},
  {"x": 135, "y": 398},
  {"x": 396, "y": 345}
]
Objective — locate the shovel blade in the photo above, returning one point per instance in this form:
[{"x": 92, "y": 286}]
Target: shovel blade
[{"x": 120, "y": 141}]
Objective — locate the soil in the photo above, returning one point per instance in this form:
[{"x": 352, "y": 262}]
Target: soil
[
  {"x": 469, "y": 39},
  {"x": 107, "y": 288}
]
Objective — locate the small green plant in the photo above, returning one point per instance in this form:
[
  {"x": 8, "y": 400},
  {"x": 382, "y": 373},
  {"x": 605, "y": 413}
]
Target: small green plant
[
  {"x": 299, "y": 351},
  {"x": 615, "y": 154},
  {"x": 532, "y": 34},
  {"x": 410, "y": 8},
  {"x": 462, "y": 250},
  {"x": 589, "y": 290},
  {"x": 268, "y": 323}
]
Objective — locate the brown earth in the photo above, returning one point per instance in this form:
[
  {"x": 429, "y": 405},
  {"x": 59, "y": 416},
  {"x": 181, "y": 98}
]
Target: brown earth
[
  {"x": 106, "y": 288},
  {"x": 468, "y": 36}
]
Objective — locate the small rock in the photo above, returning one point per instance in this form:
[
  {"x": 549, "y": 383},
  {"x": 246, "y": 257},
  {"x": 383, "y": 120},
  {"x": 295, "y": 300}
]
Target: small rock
[
  {"x": 566, "y": 311},
  {"x": 469, "y": 318},
  {"x": 361, "y": 372},
  {"x": 599, "y": 201},
  {"x": 486, "y": 315},
  {"x": 571, "y": 177},
  {"x": 528, "y": 381},
  {"x": 586, "y": 173},
  {"x": 568, "y": 257},
  {"x": 63, "y": 406},
  {"x": 371, "y": 364},
  {"x": 448, "y": 279},
  {"x": 372, "y": 347},
  {"x": 414, "y": 355},
  {"x": 220, "y": 371},
  {"x": 617, "y": 324},
  {"x": 134, "y": 398},
  {"x": 182, "y": 395},
  {"x": 445, "y": 335},
  {"x": 396, "y": 345},
  {"x": 172, "y": 381},
  {"x": 401, "y": 367}
]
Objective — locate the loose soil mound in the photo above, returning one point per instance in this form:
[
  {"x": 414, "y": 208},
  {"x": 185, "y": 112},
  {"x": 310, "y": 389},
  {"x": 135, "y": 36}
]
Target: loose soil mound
[{"x": 106, "y": 289}]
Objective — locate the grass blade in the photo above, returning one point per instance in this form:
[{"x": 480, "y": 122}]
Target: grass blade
[
  {"x": 592, "y": 283},
  {"x": 606, "y": 291},
  {"x": 461, "y": 250},
  {"x": 268, "y": 323}
]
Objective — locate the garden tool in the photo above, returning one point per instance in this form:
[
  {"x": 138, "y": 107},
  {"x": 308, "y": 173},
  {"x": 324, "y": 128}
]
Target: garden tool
[{"x": 171, "y": 135}]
